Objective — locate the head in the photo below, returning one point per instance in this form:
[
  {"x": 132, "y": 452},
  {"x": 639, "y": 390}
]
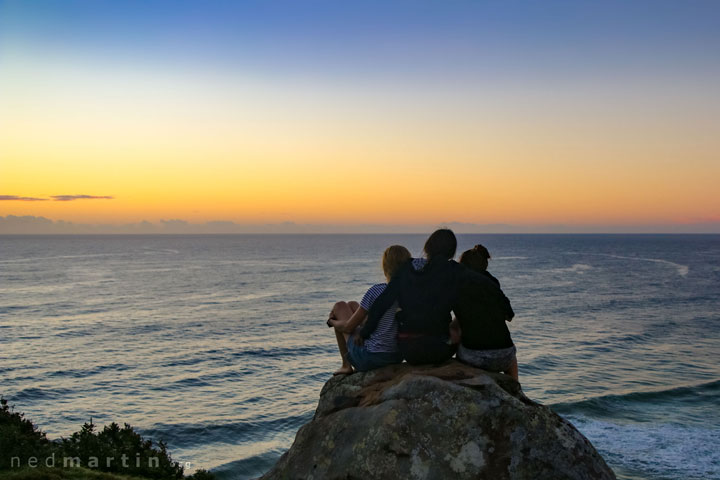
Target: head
[
  {"x": 441, "y": 245},
  {"x": 476, "y": 258},
  {"x": 394, "y": 257}
]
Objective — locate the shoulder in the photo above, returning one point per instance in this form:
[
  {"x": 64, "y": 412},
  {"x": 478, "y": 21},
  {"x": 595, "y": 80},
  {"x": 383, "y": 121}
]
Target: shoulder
[
  {"x": 418, "y": 263},
  {"x": 470, "y": 276},
  {"x": 492, "y": 277},
  {"x": 376, "y": 290},
  {"x": 378, "y": 287},
  {"x": 458, "y": 268},
  {"x": 372, "y": 294}
]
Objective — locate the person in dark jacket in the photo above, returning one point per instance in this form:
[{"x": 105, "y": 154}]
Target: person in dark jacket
[
  {"x": 484, "y": 336},
  {"x": 425, "y": 299}
]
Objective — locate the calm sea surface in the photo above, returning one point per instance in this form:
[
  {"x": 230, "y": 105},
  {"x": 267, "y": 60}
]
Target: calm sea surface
[{"x": 218, "y": 344}]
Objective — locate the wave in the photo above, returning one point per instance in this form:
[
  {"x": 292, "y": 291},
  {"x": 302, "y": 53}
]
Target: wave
[
  {"x": 654, "y": 434},
  {"x": 654, "y": 450},
  {"x": 607, "y": 404},
  {"x": 238, "y": 356},
  {"x": 34, "y": 393},
  {"x": 250, "y": 467},
  {"x": 275, "y": 352},
  {"x": 682, "y": 270},
  {"x": 63, "y": 257},
  {"x": 153, "y": 251},
  {"x": 86, "y": 372},
  {"x": 576, "y": 268},
  {"x": 185, "y": 435}
]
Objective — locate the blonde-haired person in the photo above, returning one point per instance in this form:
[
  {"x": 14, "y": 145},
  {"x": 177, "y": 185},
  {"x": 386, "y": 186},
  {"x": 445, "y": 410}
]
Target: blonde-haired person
[{"x": 380, "y": 348}]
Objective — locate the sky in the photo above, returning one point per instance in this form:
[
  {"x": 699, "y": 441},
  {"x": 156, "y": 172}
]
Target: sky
[{"x": 385, "y": 115}]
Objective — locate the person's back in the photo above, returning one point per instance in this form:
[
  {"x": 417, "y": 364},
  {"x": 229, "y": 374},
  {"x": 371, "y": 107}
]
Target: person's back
[
  {"x": 485, "y": 338},
  {"x": 426, "y": 297},
  {"x": 482, "y": 319}
]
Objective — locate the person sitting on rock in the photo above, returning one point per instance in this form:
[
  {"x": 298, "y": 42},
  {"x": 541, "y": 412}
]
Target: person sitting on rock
[
  {"x": 380, "y": 348},
  {"x": 426, "y": 298},
  {"x": 475, "y": 259},
  {"x": 481, "y": 322}
]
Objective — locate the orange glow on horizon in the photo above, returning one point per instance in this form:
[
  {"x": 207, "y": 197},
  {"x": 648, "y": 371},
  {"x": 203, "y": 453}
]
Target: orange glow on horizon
[{"x": 207, "y": 150}]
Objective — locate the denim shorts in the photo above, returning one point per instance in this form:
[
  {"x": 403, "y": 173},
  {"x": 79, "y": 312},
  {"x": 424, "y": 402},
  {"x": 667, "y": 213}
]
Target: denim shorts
[
  {"x": 498, "y": 360},
  {"x": 363, "y": 360}
]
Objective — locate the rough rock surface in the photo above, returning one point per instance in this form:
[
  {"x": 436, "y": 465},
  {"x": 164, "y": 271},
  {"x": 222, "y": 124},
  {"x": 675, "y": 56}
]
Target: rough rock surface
[{"x": 435, "y": 422}]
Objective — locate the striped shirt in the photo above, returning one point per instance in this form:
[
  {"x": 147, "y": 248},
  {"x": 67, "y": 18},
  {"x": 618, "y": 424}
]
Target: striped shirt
[{"x": 384, "y": 338}]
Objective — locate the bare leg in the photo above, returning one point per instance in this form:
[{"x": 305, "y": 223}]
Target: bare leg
[
  {"x": 455, "y": 332},
  {"x": 342, "y": 311},
  {"x": 513, "y": 370},
  {"x": 346, "y": 367}
]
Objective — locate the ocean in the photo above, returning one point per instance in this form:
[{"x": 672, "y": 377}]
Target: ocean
[{"x": 218, "y": 344}]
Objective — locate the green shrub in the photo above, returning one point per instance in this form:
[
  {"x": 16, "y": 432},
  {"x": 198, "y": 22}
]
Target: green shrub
[
  {"x": 114, "y": 450},
  {"x": 120, "y": 450},
  {"x": 19, "y": 437}
]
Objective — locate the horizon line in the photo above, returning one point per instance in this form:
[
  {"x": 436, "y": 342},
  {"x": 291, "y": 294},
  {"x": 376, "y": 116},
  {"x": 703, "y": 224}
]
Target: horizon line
[
  {"x": 32, "y": 225},
  {"x": 201, "y": 234}
]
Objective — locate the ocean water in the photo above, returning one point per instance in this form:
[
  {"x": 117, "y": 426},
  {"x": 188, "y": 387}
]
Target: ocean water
[{"x": 218, "y": 344}]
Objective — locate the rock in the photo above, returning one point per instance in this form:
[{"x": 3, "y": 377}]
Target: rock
[{"x": 435, "y": 422}]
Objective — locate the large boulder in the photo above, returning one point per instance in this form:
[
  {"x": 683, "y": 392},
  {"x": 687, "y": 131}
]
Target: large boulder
[{"x": 435, "y": 422}]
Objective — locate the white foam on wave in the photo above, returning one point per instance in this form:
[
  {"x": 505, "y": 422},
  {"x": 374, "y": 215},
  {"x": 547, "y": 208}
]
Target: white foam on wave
[
  {"x": 576, "y": 268},
  {"x": 665, "y": 450},
  {"x": 510, "y": 258},
  {"x": 56, "y": 257},
  {"x": 33, "y": 289},
  {"x": 682, "y": 270},
  {"x": 150, "y": 251}
]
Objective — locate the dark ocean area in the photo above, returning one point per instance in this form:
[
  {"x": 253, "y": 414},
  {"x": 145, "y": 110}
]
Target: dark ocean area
[{"x": 217, "y": 344}]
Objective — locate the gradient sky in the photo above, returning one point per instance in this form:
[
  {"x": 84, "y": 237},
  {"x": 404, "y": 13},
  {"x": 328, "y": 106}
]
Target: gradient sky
[{"x": 387, "y": 112}]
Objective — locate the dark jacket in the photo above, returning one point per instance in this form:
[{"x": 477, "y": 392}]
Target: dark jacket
[
  {"x": 426, "y": 297},
  {"x": 482, "y": 318}
]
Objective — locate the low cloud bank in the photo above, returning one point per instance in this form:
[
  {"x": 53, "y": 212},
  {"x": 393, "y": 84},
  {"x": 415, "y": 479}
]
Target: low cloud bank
[
  {"x": 27, "y": 225},
  {"x": 16, "y": 198},
  {"x": 70, "y": 198},
  {"x": 56, "y": 198}
]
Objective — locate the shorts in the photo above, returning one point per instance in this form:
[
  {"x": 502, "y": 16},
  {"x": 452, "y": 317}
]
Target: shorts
[
  {"x": 364, "y": 360},
  {"x": 497, "y": 360}
]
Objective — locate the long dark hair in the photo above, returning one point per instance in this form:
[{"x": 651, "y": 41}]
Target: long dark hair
[{"x": 441, "y": 245}]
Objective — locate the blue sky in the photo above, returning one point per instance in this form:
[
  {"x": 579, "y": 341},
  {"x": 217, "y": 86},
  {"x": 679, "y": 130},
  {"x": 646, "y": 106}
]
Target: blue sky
[
  {"x": 572, "y": 113},
  {"x": 397, "y": 38}
]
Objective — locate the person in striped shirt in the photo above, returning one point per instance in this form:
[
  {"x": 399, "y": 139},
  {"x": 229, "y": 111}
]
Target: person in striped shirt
[{"x": 380, "y": 348}]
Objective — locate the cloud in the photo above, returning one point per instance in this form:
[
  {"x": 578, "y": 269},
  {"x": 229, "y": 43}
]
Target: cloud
[
  {"x": 69, "y": 198},
  {"x": 22, "y": 199},
  {"x": 57, "y": 198}
]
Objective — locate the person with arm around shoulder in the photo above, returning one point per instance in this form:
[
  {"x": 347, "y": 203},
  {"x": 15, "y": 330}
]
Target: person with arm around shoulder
[
  {"x": 425, "y": 293},
  {"x": 380, "y": 348}
]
